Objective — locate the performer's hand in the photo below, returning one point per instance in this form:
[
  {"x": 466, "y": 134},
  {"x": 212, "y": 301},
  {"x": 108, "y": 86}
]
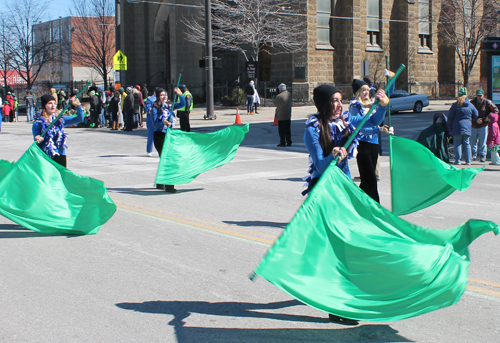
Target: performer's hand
[
  {"x": 74, "y": 101},
  {"x": 479, "y": 121},
  {"x": 384, "y": 100},
  {"x": 177, "y": 91},
  {"x": 39, "y": 139},
  {"x": 339, "y": 150},
  {"x": 167, "y": 123},
  {"x": 388, "y": 130}
]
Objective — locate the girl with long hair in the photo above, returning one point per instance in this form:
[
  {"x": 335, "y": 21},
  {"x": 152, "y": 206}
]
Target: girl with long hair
[
  {"x": 326, "y": 133},
  {"x": 163, "y": 118}
]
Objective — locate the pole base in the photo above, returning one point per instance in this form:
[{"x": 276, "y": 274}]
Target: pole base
[{"x": 207, "y": 117}]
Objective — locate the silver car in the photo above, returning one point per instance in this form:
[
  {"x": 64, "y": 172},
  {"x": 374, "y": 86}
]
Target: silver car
[{"x": 403, "y": 101}]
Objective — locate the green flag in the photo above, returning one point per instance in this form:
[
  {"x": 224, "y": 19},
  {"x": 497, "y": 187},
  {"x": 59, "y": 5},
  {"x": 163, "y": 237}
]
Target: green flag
[
  {"x": 186, "y": 155},
  {"x": 419, "y": 179},
  {"x": 43, "y": 196},
  {"x": 5, "y": 167},
  {"x": 344, "y": 254}
]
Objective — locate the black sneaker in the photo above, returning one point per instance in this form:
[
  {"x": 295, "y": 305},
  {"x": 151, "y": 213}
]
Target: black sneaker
[
  {"x": 170, "y": 189},
  {"x": 289, "y": 144},
  {"x": 281, "y": 145},
  {"x": 342, "y": 320},
  {"x": 160, "y": 186}
]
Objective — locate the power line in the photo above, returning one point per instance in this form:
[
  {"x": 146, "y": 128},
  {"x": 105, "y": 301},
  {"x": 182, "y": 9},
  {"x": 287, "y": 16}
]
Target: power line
[{"x": 285, "y": 13}]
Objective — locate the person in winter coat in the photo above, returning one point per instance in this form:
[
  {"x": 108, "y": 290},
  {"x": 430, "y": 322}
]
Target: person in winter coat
[
  {"x": 283, "y": 103},
  {"x": 480, "y": 131},
  {"x": 163, "y": 118},
  {"x": 250, "y": 90},
  {"x": 114, "y": 105},
  {"x": 460, "y": 118},
  {"x": 137, "y": 107},
  {"x": 128, "y": 110},
  {"x": 493, "y": 141}
]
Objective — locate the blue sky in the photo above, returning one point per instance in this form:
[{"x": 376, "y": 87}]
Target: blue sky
[
  {"x": 58, "y": 8},
  {"x": 55, "y": 8}
]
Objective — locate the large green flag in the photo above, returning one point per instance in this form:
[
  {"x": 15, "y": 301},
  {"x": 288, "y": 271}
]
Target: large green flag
[
  {"x": 43, "y": 196},
  {"x": 186, "y": 155},
  {"x": 344, "y": 254},
  {"x": 419, "y": 179}
]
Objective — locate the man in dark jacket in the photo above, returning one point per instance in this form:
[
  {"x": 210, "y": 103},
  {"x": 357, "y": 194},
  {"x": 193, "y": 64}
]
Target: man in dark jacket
[
  {"x": 128, "y": 110},
  {"x": 479, "y": 130}
]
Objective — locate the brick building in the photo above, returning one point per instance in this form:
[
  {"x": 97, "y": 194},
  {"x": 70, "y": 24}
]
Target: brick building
[
  {"x": 60, "y": 32},
  {"x": 345, "y": 40}
]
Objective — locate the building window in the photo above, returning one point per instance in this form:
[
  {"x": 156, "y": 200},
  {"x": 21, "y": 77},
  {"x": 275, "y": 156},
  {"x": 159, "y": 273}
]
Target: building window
[
  {"x": 324, "y": 11},
  {"x": 424, "y": 27},
  {"x": 373, "y": 24}
]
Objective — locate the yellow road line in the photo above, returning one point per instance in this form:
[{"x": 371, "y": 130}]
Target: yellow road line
[
  {"x": 483, "y": 290},
  {"x": 232, "y": 227},
  {"x": 485, "y": 282},
  {"x": 154, "y": 213},
  {"x": 206, "y": 227}
]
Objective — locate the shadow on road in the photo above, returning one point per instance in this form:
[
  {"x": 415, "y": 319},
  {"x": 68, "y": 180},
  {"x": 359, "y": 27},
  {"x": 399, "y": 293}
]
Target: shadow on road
[
  {"x": 17, "y": 231},
  {"x": 251, "y": 223},
  {"x": 182, "y": 310},
  {"x": 149, "y": 191}
]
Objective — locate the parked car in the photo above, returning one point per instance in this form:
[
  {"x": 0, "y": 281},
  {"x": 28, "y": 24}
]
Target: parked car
[{"x": 401, "y": 100}]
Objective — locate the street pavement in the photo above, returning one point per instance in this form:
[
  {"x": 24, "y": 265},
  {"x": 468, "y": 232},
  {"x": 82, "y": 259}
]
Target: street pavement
[{"x": 175, "y": 267}]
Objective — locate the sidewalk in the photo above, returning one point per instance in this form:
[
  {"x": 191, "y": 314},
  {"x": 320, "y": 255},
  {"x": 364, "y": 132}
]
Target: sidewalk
[{"x": 226, "y": 115}]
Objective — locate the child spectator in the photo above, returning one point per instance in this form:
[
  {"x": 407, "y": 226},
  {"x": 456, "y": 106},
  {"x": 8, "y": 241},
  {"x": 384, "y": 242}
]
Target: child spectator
[{"x": 493, "y": 140}]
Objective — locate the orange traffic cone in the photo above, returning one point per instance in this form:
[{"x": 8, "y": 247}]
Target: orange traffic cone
[
  {"x": 275, "y": 121},
  {"x": 238, "y": 118}
]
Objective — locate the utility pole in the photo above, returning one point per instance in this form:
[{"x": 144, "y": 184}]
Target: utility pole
[
  {"x": 209, "y": 61},
  {"x": 117, "y": 36}
]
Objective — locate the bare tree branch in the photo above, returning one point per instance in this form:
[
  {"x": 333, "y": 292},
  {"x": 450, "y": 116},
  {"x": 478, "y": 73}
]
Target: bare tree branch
[
  {"x": 28, "y": 55},
  {"x": 464, "y": 25},
  {"x": 93, "y": 36},
  {"x": 252, "y": 26}
]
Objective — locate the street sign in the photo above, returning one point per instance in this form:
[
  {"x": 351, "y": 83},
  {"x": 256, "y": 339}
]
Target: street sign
[
  {"x": 251, "y": 69},
  {"x": 119, "y": 61}
]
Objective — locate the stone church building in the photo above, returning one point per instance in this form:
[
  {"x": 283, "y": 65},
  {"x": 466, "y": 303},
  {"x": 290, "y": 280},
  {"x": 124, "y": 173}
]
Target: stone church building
[{"x": 345, "y": 40}]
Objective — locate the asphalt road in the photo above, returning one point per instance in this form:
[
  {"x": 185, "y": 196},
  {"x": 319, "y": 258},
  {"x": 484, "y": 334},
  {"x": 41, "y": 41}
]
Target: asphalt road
[{"x": 175, "y": 267}]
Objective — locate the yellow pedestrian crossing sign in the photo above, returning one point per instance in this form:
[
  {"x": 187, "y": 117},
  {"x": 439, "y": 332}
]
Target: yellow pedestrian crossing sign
[{"x": 119, "y": 61}]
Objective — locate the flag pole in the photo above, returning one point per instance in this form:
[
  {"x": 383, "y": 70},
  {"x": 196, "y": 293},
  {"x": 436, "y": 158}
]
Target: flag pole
[
  {"x": 374, "y": 106},
  {"x": 387, "y": 79},
  {"x": 64, "y": 110},
  {"x": 175, "y": 94}
]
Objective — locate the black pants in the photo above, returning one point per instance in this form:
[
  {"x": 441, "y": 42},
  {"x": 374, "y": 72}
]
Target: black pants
[
  {"x": 367, "y": 163},
  {"x": 61, "y": 159},
  {"x": 158, "y": 140},
  {"x": 184, "y": 119},
  {"x": 285, "y": 131},
  {"x": 129, "y": 120}
]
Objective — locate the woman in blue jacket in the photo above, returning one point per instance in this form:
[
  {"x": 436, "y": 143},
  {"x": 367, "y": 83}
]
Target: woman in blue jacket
[
  {"x": 459, "y": 122},
  {"x": 53, "y": 142},
  {"x": 328, "y": 130},
  {"x": 163, "y": 118}
]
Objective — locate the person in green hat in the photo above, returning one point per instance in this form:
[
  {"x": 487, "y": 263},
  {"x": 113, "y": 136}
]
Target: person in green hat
[
  {"x": 479, "y": 132},
  {"x": 460, "y": 118}
]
